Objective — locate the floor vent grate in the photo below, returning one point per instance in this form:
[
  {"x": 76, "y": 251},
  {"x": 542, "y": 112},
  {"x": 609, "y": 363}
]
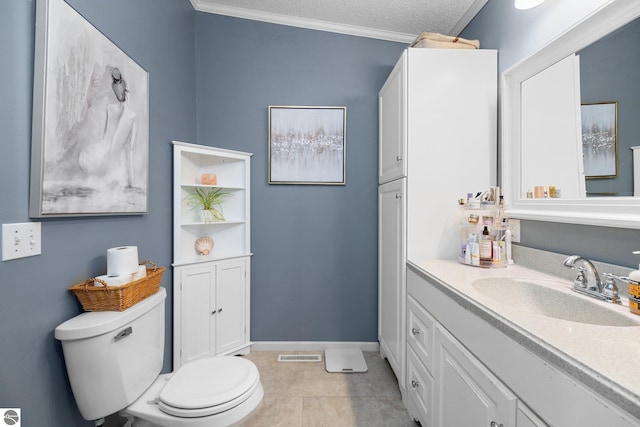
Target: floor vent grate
[{"x": 299, "y": 358}]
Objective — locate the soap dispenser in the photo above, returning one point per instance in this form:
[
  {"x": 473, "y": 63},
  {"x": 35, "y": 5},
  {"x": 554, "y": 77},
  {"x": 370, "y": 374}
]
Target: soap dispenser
[{"x": 635, "y": 274}]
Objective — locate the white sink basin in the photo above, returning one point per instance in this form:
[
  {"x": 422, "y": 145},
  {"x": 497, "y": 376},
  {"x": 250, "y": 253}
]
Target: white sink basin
[{"x": 539, "y": 297}]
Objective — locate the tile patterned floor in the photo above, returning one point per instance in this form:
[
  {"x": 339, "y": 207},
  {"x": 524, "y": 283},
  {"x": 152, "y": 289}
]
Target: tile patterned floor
[{"x": 303, "y": 394}]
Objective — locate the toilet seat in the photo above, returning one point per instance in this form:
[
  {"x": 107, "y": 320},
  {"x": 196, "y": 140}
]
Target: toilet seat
[{"x": 208, "y": 387}]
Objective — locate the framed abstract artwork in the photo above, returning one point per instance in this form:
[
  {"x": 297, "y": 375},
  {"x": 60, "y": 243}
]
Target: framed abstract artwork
[
  {"x": 90, "y": 130},
  {"x": 307, "y": 145},
  {"x": 600, "y": 139}
]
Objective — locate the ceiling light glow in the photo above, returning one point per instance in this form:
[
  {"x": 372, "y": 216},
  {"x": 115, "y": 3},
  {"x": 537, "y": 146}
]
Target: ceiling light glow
[{"x": 527, "y": 4}]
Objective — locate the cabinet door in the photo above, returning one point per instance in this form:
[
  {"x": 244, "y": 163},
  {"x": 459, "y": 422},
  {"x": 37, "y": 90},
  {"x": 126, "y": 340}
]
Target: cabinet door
[
  {"x": 197, "y": 320},
  {"x": 392, "y": 106},
  {"x": 391, "y": 276},
  {"x": 468, "y": 394},
  {"x": 230, "y": 305},
  {"x": 526, "y": 418}
]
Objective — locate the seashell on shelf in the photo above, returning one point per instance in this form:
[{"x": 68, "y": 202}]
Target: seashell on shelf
[{"x": 203, "y": 245}]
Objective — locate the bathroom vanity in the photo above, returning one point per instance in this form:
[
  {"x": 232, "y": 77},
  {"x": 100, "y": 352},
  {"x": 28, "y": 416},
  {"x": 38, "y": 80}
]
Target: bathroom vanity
[{"x": 514, "y": 347}]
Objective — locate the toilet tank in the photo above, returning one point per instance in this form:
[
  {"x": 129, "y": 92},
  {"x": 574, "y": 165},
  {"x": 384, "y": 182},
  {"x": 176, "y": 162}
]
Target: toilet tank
[{"x": 113, "y": 357}]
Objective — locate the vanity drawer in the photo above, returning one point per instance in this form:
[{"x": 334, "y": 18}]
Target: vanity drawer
[
  {"x": 420, "y": 332},
  {"x": 419, "y": 390}
]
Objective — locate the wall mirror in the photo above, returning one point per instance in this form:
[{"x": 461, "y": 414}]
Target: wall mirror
[{"x": 571, "y": 124}]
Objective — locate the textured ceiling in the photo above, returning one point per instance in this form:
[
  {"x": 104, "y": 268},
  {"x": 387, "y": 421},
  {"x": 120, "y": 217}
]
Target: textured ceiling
[{"x": 396, "y": 20}]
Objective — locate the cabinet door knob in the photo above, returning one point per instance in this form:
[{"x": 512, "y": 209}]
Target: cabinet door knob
[
  {"x": 398, "y": 196},
  {"x": 415, "y": 331},
  {"x": 416, "y": 384},
  {"x": 214, "y": 312},
  {"x": 495, "y": 424},
  {"x": 398, "y": 158},
  {"x": 220, "y": 310}
]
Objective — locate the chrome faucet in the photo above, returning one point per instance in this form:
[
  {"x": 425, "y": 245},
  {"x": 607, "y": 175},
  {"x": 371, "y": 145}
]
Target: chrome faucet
[
  {"x": 591, "y": 284},
  {"x": 592, "y": 281}
]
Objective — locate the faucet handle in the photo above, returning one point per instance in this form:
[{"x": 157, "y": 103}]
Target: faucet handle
[
  {"x": 610, "y": 290},
  {"x": 580, "y": 281}
]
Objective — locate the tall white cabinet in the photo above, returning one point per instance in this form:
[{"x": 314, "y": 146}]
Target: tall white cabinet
[
  {"x": 438, "y": 141},
  {"x": 211, "y": 292}
]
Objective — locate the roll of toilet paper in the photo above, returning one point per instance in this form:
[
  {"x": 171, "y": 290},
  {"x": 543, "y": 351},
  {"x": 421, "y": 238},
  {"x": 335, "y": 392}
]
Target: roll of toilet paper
[
  {"x": 113, "y": 280},
  {"x": 140, "y": 274},
  {"x": 122, "y": 261},
  {"x": 122, "y": 280}
]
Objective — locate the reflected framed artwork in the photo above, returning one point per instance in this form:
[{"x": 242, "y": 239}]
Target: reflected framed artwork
[
  {"x": 600, "y": 139},
  {"x": 90, "y": 130},
  {"x": 307, "y": 145}
]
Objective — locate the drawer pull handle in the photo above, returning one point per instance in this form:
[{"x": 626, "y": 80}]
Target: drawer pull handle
[
  {"x": 398, "y": 158},
  {"x": 416, "y": 384},
  {"x": 415, "y": 331}
]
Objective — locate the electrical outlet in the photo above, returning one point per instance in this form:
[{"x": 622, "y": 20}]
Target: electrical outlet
[
  {"x": 21, "y": 240},
  {"x": 514, "y": 226}
]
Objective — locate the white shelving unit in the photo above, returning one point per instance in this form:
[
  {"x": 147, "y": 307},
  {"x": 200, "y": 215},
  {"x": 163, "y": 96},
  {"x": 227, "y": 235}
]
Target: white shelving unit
[
  {"x": 211, "y": 292},
  {"x": 232, "y": 236}
]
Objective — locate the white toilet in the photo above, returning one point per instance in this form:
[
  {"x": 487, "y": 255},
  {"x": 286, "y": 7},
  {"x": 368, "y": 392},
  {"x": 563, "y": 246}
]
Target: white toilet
[{"x": 114, "y": 360}]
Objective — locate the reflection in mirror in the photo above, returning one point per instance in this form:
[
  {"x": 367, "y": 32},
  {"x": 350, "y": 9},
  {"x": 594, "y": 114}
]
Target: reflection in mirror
[
  {"x": 580, "y": 120},
  {"x": 609, "y": 79},
  {"x": 589, "y": 71},
  {"x": 551, "y": 142}
]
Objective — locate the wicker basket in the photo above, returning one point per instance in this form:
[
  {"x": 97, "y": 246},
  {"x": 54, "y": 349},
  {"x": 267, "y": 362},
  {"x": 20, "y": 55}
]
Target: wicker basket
[{"x": 118, "y": 298}]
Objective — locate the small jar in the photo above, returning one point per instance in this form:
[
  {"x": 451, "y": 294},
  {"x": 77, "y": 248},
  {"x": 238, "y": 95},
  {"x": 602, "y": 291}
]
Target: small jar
[{"x": 538, "y": 192}]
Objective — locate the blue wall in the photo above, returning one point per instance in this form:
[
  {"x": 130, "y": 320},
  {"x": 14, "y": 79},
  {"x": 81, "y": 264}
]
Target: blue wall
[
  {"x": 609, "y": 72},
  {"x": 517, "y": 34},
  {"x": 158, "y": 34},
  {"x": 315, "y": 268},
  {"x": 314, "y": 272}
]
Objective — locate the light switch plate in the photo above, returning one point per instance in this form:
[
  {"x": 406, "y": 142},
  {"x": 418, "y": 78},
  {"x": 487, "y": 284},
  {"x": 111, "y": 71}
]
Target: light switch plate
[
  {"x": 21, "y": 240},
  {"x": 514, "y": 226}
]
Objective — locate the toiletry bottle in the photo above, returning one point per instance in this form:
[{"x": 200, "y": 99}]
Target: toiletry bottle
[
  {"x": 475, "y": 254},
  {"x": 485, "y": 245},
  {"x": 507, "y": 241}
]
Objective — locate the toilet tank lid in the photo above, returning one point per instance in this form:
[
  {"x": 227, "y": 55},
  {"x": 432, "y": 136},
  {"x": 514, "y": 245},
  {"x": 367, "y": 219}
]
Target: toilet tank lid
[{"x": 95, "y": 323}]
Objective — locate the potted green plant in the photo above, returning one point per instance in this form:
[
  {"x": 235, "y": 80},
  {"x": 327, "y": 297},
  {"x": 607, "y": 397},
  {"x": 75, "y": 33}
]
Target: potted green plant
[{"x": 209, "y": 201}]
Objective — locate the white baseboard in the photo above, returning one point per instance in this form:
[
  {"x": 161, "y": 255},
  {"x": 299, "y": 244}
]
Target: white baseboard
[{"x": 312, "y": 345}]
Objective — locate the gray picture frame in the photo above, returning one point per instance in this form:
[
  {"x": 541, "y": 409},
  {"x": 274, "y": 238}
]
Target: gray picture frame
[
  {"x": 600, "y": 139},
  {"x": 90, "y": 129},
  {"x": 307, "y": 145}
]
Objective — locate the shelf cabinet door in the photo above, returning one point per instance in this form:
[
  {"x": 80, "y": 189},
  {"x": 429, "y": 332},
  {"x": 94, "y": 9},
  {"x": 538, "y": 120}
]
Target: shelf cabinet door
[
  {"x": 391, "y": 283},
  {"x": 231, "y": 308},
  {"x": 468, "y": 394},
  {"x": 197, "y": 320},
  {"x": 392, "y": 124}
]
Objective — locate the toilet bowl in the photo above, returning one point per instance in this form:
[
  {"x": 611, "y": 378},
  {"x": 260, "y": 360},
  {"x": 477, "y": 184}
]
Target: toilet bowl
[
  {"x": 114, "y": 360},
  {"x": 222, "y": 391}
]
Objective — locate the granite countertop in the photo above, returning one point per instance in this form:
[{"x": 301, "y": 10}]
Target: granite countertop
[{"x": 604, "y": 358}]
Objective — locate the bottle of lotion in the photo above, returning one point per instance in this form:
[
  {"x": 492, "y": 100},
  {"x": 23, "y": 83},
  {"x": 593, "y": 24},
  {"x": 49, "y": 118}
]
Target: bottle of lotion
[{"x": 507, "y": 241}]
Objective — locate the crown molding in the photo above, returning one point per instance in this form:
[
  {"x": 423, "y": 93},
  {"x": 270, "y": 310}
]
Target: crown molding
[
  {"x": 468, "y": 17},
  {"x": 312, "y": 24}
]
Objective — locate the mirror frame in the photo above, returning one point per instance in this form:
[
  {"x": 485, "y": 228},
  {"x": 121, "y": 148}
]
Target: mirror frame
[{"x": 621, "y": 212}]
